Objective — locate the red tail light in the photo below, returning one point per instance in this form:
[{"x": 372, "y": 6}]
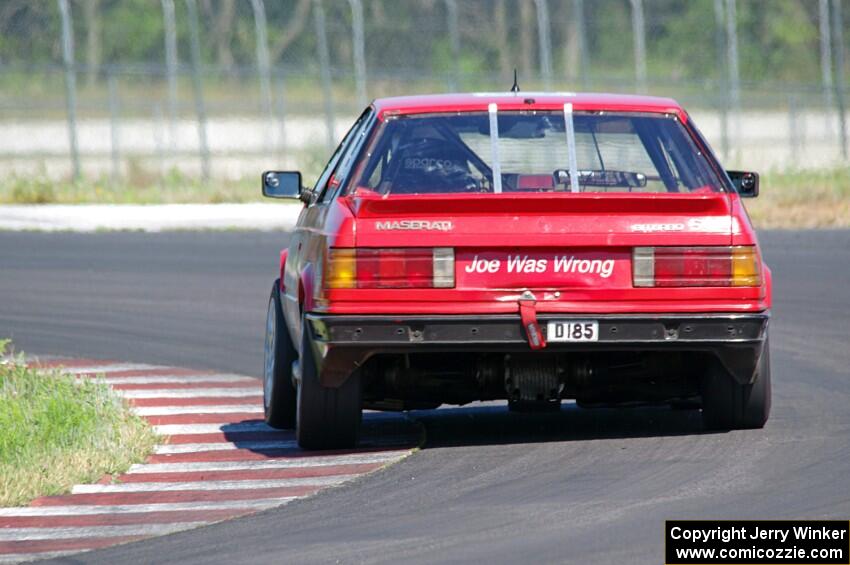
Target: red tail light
[
  {"x": 696, "y": 266},
  {"x": 390, "y": 268}
]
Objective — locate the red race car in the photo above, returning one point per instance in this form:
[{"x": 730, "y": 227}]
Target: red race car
[{"x": 523, "y": 246}]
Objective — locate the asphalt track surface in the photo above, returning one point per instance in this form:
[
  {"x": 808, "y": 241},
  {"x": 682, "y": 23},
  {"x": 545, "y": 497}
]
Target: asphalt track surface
[{"x": 577, "y": 486}]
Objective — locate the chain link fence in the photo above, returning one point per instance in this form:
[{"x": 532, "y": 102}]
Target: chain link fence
[{"x": 225, "y": 88}]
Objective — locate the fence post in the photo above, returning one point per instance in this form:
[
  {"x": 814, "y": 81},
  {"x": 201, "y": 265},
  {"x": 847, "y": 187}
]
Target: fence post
[
  {"x": 359, "y": 51},
  {"x": 281, "y": 109},
  {"x": 578, "y": 14},
  {"x": 70, "y": 84},
  {"x": 826, "y": 63},
  {"x": 170, "y": 27},
  {"x": 720, "y": 46},
  {"x": 114, "y": 127},
  {"x": 639, "y": 33},
  {"x": 454, "y": 43},
  {"x": 545, "y": 43},
  {"x": 263, "y": 64},
  {"x": 734, "y": 74},
  {"x": 197, "y": 86},
  {"x": 325, "y": 63},
  {"x": 838, "y": 37}
]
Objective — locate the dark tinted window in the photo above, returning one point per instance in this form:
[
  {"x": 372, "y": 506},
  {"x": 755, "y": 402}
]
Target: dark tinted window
[{"x": 454, "y": 153}]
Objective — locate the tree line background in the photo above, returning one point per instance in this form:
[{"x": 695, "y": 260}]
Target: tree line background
[
  {"x": 766, "y": 78},
  {"x": 778, "y": 39}
]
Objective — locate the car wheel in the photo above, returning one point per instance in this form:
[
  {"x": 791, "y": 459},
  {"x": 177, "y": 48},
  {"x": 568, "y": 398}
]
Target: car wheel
[
  {"x": 279, "y": 354},
  {"x": 327, "y": 418},
  {"x": 727, "y": 405}
]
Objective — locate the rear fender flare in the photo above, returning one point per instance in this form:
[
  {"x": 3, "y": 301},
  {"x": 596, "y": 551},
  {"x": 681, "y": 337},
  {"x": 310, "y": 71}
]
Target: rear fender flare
[
  {"x": 283, "y": 255},
  {"x": 306, "y": 288},
  {"x": 336, "y": 372}
]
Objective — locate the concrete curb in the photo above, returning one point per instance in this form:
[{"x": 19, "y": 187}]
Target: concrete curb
[
  {"x": 150, "y": 218},
  {"x": 217, "y": 460}
]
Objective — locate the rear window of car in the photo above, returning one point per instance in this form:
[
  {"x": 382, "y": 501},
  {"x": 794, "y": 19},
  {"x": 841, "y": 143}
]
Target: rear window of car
[{"x": 440, "y": 153}]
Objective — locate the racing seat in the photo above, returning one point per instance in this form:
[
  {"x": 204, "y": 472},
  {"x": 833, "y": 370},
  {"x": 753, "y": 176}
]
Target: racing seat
[{"x": 430, "y": 166}]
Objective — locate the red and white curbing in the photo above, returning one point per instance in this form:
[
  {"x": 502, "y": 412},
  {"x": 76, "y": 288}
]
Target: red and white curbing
[{"x": 218, "y": 460}]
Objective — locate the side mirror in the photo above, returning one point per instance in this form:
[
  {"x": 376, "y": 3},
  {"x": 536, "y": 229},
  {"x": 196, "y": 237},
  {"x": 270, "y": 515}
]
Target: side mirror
[
  {"x": 282, "y": 184},
  {"x": 746, "y": 183}
]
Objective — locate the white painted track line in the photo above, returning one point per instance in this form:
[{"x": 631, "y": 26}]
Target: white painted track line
[
  {"x": 174, "y": 448},
  {"x": 147, "y": 217},
  {"x": 183, "y": 429},
  {"x": 31, "y": 534},
  {"x": 258, "y": 445},
  {"x": 296, "y": 462},
  {"x": 214, "y": 485},
  {"x": 191, "y": 393},
  {"x": 92, "y": 509},
  {"x": 181, "y": 379},
  {"x": 24, "y": 557},
  {"x": 113, "y": 368},
  {"x": 217, "y": 409}
]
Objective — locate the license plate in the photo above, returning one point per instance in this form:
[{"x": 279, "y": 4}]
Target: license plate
[{"x": 573, "y": 330}]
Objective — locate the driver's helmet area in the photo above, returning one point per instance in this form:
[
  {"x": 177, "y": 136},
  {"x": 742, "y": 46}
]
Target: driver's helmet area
[
  {"x": 416, "y": 157},
  {"x": 429, "y": 164}
]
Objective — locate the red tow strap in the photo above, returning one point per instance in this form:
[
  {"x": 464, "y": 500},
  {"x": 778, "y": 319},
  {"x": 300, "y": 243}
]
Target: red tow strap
[{"x": 528, "y": 314}]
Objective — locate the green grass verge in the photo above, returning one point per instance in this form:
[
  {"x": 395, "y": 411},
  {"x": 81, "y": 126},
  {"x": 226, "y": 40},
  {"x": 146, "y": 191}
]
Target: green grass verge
[
  {"x": 803, "y": 199},
  {"x": 57, "y": 431},
  {"x": 174, "y": 189},
  {"x": 142, "y": 185},
  {"x": 791, "y": 199}
]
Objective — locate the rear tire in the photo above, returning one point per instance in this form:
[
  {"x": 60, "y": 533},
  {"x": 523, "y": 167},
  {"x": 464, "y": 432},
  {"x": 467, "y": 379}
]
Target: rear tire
[
  {"x": 327, "y": 418},
  {"x": 278, "y": 391},
  {"x": 727, "y": 405}
]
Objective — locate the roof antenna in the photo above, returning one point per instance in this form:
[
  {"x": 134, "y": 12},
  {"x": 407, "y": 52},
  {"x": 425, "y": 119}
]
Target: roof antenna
[{"x": 515, "y": 87}]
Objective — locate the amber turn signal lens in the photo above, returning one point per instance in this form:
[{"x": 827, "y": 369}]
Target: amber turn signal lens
[
  {"x": 745, "y": 266},
  {"x": 341, "y": 269}
]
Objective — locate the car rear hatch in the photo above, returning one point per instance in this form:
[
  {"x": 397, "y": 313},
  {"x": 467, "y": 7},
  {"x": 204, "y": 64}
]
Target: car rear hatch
[{"x": 573, "y": 252}]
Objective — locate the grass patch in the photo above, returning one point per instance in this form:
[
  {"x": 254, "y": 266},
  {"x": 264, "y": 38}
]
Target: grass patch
[
  {"x": 788, "y": 199},
  {"x": 57, "y": 431},
  {"x": 143, "y": 185},
  {"x": 803, "y": 199},
  {"x": 175, "y": 188}
]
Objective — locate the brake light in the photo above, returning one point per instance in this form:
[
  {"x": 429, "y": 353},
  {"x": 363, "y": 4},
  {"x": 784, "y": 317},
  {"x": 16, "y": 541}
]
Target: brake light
[
  {"x": 390, "y": 268},
  {"x": 696, "y": 266}
]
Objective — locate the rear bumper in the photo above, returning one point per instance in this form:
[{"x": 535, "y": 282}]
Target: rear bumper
[{"x": 344, "y": 342}]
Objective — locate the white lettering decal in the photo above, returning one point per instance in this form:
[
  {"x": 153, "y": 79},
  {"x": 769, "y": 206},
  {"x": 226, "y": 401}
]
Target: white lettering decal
[
  {"x": 719, "y": 224},
  {"x": 424, "y": 163},
  {"x": 595, "y": 266},
  {"x": 657, "y": 227},
  {"x": 522, "y": 264},
  {"x": 437, "y": 225},
  {"x": 483, "y": 266},
  {"x": 561, "y": 264},
  {"x": 517, "y": 264}
]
